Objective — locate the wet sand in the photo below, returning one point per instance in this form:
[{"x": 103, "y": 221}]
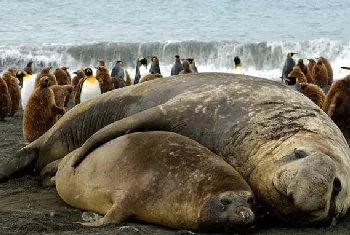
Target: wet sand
[{"x": 28, "y": 208}]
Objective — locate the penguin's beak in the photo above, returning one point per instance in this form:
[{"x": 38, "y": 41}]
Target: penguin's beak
[{"x": 347, "y": 68}]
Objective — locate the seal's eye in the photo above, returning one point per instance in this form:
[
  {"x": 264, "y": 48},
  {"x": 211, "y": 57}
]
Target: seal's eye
[
  {"x": 250, "y": 200},
  {"x": 225, "y": 201}
]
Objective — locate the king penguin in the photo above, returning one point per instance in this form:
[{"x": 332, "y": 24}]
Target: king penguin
[
  {"x": 90, "y": 87},
  {"x": 28, "y": 82}
]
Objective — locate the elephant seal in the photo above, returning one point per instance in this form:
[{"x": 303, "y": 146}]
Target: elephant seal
[
  {"x": 158, "y": 177},
  {"x": 269, "y": 132}
]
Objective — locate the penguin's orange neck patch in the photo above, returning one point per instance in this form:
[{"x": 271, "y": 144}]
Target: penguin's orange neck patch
[
  {"x": 90, "y": 79},
  {"x": 27, "y": 76}
]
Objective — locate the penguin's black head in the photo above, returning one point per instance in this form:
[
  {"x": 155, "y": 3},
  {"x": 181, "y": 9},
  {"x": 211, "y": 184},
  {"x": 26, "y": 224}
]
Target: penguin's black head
[{"x": 88, "y": 71}]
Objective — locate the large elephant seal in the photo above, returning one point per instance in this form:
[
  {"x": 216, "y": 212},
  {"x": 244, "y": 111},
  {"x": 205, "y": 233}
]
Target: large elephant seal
[
  {"x": 289, "y": 151},
  {"x": 158, "y": 177}
]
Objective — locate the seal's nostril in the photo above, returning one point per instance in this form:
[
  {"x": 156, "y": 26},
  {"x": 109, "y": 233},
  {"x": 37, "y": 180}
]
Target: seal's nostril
[
  {"x": 245, "y": 216},
  {"x": 336, "y": 187}
]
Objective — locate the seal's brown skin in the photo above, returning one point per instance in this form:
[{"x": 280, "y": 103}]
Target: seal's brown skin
[
  {"x": 41, "y": 112},
  {"x": 296, "y": 72},
  {"x": 150, "y": 77},
  {"x": 61, "y": 94},
  {"x": 105, "y": 80},
  {"x": 5, "y": 100},
  {"x": 157, "y": 177},
  {"x": 305, "y": 69},
  {"x": 45, "y": 72},
  {"x": 311, "y": 65},
  {"x": 61, "y": 77},
  {"x": 313, "y": 92},
  {"x": 320, "y": 74},
  {"x": 337, "y": 105},
  {"x": 269, "y": 132},
  {"x": 329, "y": 70},
  {"x": 13, "y": 89},
  {"x": 186, "y": 67}
]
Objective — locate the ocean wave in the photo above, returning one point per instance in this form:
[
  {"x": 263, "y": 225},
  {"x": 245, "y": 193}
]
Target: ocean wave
[{"x": 258, "y": 58}]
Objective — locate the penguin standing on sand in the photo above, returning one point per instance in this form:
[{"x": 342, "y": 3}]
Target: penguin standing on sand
[
  {"x": 137, "y": 73},
  {"x": 288, "y": 65},
  {"x": 238, "y": 65},
  {"x": 154, "y": 65},
  {"x": 177, "y": 66},
  {"x": 90, "y": 87},
  {"x": 143, "y": 68},
  {"x": 28, "y": 83}
]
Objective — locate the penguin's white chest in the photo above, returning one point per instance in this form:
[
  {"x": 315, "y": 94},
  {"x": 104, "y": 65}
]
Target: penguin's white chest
[
  {"x": 27, "y": 89},
  {"x": 90, "y": 89}
]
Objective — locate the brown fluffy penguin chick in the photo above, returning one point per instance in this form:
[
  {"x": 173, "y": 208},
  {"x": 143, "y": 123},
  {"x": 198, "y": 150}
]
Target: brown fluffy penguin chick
[
  {"x": 329, "y": 69},
  {"x": 65, "y": 69},
  {"x": 320, "y": 74},
  {"x": 150, "y": 77},
  {"x": 128, "y": 79},
  {"x": 5, "y": 100},
  {"x": 61, "y": 94},
  {"x": 305, "y": 70},
  {"x": 13, "y": 89},
  {"x": 41, "y": 111},
  {"x": 76, "y": 80},
  {"x": 337, "y": 105},
  {"x": 105, "y": 80},
  {"x": 311, "y": 65},
  {"x": 296, "y": 72},
  {"x": 313, "y": 92},
  {"x": 45, "y": 72},
  {"x": 61, "y": 77},
  {"x": 186, "y": 67}
]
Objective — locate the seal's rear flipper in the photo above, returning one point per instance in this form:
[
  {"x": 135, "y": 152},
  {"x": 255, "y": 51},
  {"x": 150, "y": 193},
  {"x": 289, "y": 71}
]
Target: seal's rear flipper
[
  {"x": 149, "y": 120},
  {"x": 18, "y": 164}
]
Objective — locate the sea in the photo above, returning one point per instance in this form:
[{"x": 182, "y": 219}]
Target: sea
[{"x": 78, "y": 33}]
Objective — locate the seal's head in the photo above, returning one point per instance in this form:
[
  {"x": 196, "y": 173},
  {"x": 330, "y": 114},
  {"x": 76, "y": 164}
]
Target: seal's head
[
  {"x": 227, "y": 211},
  {"x": 44, "y": 82}
]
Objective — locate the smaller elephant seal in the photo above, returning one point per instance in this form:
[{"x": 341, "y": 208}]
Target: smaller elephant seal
[
  {"x": 337, "y": 105},
  {"x": 40, "y": 112},
  {"x": 157, "y": 177}
]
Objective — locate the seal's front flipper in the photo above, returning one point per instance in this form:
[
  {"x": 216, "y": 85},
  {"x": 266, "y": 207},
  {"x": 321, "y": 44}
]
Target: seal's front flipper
[
  {"x": 149, "y": 120},
  {"x": 115, "y": 215},
  {"x": 18, "y": 164}
]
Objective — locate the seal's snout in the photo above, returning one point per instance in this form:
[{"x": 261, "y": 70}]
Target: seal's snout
[
  {"x": 311, "y": 184},
  {"x": 245, "y": 215}
]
